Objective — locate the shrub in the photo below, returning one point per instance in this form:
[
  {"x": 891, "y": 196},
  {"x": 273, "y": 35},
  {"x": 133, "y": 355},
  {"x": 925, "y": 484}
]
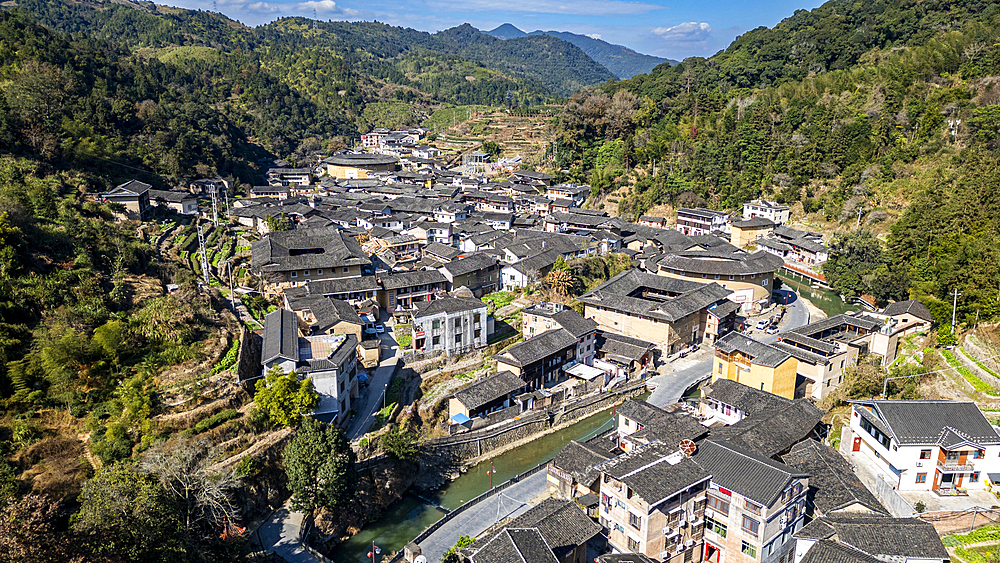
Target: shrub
[{"x": 215, "y": 420}]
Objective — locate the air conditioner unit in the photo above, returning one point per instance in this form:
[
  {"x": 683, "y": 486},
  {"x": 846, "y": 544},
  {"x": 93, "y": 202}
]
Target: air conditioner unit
[
  {"x": 682, "y": 524},
  {"x": 920, "y": 464},
  {"x": 669, "y": 532},
  {"x": 689, "y": 543},
  {"x": 680, "y": 548},
  {"x": 784, "y": 521}
]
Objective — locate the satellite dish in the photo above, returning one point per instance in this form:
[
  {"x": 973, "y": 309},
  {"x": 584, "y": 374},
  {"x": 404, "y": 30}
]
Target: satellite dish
[{"x": 687, "y": 447}]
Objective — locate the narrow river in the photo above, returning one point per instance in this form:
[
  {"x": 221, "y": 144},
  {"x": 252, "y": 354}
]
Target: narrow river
[
  {"x": 408, "y": 517},
  {"x": 828, "y": 301}
]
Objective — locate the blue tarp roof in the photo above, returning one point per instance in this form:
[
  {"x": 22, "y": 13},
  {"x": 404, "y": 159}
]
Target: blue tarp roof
[{"x": 460, "y": 419}]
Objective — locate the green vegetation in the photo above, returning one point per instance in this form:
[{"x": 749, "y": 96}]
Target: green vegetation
[
  {"x": 981, "y": 554},
  {"x": 977, "y": 384},
  {"x": 452, "y": 556},
  {"x": 399, "y": 442},
  {"x": 319, "y": 463},
  {"x": 283, "y": 398},
  {"x": 984, "y": 534},
  {"x": 859, "y": 265},
  {"x": 215, "y": 420},
  {"x": 978, "y": 363}
]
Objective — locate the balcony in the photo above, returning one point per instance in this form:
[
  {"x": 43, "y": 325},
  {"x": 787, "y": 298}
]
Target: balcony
[{"x": 954, "y": 467}]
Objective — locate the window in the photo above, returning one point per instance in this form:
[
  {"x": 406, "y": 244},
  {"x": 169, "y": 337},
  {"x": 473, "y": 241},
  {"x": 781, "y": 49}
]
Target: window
[
  {"x": 635, "y": 521},
  {"x": 718, "y": 504},
  {"x": 458, "y": 338},
  {"x": 346, "y": 269},
  {"x": 752, "y": 506},
  {"x": 436, "y": 340},
  {"x": 921, "y": 477},
  {"x": 618, "y": 528},
  {"x": 749, "y": 549},
  {"x": 716, "y": 527},
  {"x": 436, "y": 324},
  {"x": 974, "y": 478},
  {"x": 720, "y": 366},
  {"x": 764, "y": 282},
  {"x": 750, "y": 525},
  {"x": 732, "y": 277},
  {"x": 925, "y": 454},
  {"x": 295, "y": 274},
  {"x": 978, "y": 454},
  {"x": 619, "y": 503},
  {"x": 458, "y": 324},
  {"x": 319, "y": 272},
  {"x": 633, "y": 544},
  {"x": 951, "y": 456}
]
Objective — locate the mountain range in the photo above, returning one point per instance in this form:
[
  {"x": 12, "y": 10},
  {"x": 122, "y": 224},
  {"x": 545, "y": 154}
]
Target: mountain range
[{"x": 622, "y": 61}]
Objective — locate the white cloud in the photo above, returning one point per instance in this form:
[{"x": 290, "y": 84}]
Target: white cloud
[
  {"x": 326, "y": 7},
  {"x": 594, "y": 35},
  {"x": 685, "y": 32},
  {"x": 264, "y": 7}
]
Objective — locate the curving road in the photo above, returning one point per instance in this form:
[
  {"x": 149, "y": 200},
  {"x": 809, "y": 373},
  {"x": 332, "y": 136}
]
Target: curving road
[
  {"x": 670, "y": 387},
  {"x": 371, "y": 402}
]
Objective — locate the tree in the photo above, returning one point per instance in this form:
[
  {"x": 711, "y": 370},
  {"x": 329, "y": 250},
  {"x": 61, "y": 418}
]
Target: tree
[
  {"x": 128, "y": 514},
  {"x": 561, "y": 281},
  {"x": 30, "y": 532},
  {"x": 276, "y": 224},
  {"x": 183, "y": 468},
  {"x": 400, "y": 442},
  {"x": 284, "y": 398},
  {"x": 493, "y": 149},
  {"x": 452, "y": 556},
  {"x": 319, "y": 463}
]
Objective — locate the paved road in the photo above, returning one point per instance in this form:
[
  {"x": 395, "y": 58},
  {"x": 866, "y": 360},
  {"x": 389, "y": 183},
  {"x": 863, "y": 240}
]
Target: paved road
[
  {"x": 670, "y": 387},
  {"x": 371, "y": 401},
  {"x": 280, "y": 535},
  {"x": 512, "y": 501}
]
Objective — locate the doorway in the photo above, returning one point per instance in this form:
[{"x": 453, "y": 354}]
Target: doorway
[{"x": 947, "y": 481}]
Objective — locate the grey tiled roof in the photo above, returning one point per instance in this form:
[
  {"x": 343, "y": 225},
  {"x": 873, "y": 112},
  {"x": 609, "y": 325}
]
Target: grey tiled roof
[
  {"x": 829, "y": 551},
  {"x": 722, "y": 262},
  {"x": 575, "y": 323},
  {"x": 328, "y": 311},
  {"x": 623, "y": 293},
  {"x": 447, "y": 305},
  {"x": 832, "y": 483},
  {"x": 563, "y": 525},
  {"x": 754, "y": 222},
  {"x": 756, "y": 477},
  {"x": 337, "y": 360},
  {"x": 926, "y": 422},
  {"x": 911, "y": 307},
  {"x": 640, "y": 411},
  {"x": 624, "y": 558},
  {"x": 817, "y": 328},
  {"x": 281, "y": 336},
  {"x": 759, "y": 352},
  {"x": 747, "y": 399},
  {"x": 538, "y": 347},
  {"x": 619, "y": 347},
  {"x": 536, "y": 262},
  {"x": 473, "y": 263},
  {"x": 800, "y": 340},
  {"x": 516, "y": 545},
  {"x": 774, "y": 431},
  {"x": 489, "y": 389},
  {"x": 655, "y": 471},
  {"x": 444, "y": 251},
  {"x": 343, "y": 285},
  {"x": 400, "y": 280},
  {"x": 880, "y": 536},
  {"x": 171, "y": 196},
  {"x": 280, "y": 251},
  {"x": 580, "y": 461}
]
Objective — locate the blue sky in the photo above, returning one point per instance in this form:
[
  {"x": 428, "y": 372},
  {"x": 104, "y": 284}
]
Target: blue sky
[{"x": 657, "y": 27}]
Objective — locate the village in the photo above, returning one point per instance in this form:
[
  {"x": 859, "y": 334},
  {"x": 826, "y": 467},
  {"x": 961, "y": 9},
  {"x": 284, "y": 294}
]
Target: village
[{"x": 409, "y": 290}]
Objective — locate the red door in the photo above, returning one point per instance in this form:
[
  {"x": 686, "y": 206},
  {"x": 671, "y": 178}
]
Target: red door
[
  {"x": 857, "y": 444},
  {"x": 712, "y": 553}
]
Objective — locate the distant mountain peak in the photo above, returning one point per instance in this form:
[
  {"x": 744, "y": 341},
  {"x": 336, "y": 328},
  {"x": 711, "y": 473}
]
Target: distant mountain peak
[{"x": 506, "y": 31}]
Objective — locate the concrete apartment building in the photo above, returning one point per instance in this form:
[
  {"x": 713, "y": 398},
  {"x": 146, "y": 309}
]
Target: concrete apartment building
[
  {"x": 754, "y": 364},
  {"x": 749, "y": 276},
  {"x": 653, "y": 502},
  {"x": 754, "y": 504},
  {"x": 453, "y": 325},
  {"x": 672, "y": 313},
  {"x": 926, "y": 445},
  {"x": 767, "y": 209}
]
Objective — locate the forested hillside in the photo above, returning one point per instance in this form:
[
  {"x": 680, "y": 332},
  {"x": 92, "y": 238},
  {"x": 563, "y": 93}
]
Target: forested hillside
[
  {"x": 622, "y": 61},
  {"x": 861, "y": 114}
]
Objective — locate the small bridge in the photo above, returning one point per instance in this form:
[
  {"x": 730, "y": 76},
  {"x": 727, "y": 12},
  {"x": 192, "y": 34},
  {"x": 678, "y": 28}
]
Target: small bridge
[{"x": 793, "y": 269}]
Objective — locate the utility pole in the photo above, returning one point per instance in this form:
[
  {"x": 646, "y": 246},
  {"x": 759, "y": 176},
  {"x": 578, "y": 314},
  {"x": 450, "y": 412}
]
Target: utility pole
[
  {"x": 204, "y": 257},
  {"x": 858, "y": 224},
  {"x": 954, "y": 305},
  {"x": 215, "y": 205}
]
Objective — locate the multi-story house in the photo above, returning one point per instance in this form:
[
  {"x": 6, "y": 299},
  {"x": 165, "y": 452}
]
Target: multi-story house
[
  {"x": 729, "y": 402},
  {"x": 653, "y": 502},
  {"x": 828, "y": 346},
  {"x": 754, "y": 504},
  {"x": 539, "y": 361},
  {"x": 754, "y": 364},
  {"x": 403, "y": 291},
  {"x": 671, "y": 313},
  {"x": 430, "y": 231},
  {"x": 133, "y": 196},
  {"x": 926, "y": 445},
  {"x": 492, "y": 393},
  {"x": 749, "y": 276},
  {"x": 548, "y": 316},
  {"x": 289, "y": 176},
  {"x": 767, "y": 209},
  {"x": 293, "y": 258},
  {"x": 654, "y": 222},
  {"x": 453, "y": 325},
  {"x": 478, "y": 272},
  {"x": 699, "y": 221},
  {"x": 182, "y": 202},
  {"x": 744, "y": 233}
]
